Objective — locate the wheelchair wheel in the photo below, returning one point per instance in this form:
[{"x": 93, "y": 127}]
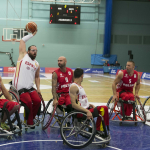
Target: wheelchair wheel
[
  {"x": 140, "y": 110},
  {"x": 110, "y": 106},
  {"x": 146, "y": 107},
  {"x": 15, "y": 99},
  {"x": 75, "y": 134},
  {"x": 40, "y": 118},
  {"x": 48, "y": 114}
]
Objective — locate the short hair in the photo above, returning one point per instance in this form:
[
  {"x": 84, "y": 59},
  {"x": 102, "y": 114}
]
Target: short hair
[
  {"x": 131, "y": 62},
  {"x": 29, "y": 48},
  {"x": 78, "y": 72}
]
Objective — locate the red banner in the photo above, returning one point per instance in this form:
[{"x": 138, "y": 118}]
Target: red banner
[
  {"x": 50, "y": 70},
  {"x": 9, "y": 69}
]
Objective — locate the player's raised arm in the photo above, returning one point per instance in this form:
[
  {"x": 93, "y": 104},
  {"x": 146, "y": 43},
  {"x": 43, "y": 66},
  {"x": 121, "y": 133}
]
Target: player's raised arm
[{"x": 22, "y": 46}]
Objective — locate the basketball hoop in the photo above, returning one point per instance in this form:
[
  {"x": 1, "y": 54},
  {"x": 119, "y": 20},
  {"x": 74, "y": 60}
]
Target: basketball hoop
[{"x": 13, "y": 41}]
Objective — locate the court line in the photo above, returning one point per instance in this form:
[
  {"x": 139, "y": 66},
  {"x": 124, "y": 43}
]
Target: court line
[
  {"x": 114, "y": 147},
  {"x": 44, "y": 141}
]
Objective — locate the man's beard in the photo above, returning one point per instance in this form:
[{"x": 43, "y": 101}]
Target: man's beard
[
  {"x": 61, "y": 65},
  {"x": 32, "y": 56}
]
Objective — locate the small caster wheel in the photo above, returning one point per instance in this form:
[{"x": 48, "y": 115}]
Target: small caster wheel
[
  {"x": 120, "y": 123},
  {"x": 135, "y": 123},
  {"x": 103, "y": 145},
  {"x": 9, "y": 137},
  {"x": 20, "y": 134}
]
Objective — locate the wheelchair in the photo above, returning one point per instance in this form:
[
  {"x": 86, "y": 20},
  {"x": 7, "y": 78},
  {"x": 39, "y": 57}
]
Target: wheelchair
[
  {"x": 11, "y": 120},
  {"x": 38, "y": 118},
  {"x": 53, "y": 116},
  {"x": 82, "y": 131},
  {"x": 137, "y": 115},
  {"x": 146, "y": 106}
]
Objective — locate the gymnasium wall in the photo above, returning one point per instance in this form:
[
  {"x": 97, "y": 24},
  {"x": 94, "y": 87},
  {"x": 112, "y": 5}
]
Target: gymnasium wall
[
  {"x": 131, "y": 31},
  {"x": 75, "y": 42}
]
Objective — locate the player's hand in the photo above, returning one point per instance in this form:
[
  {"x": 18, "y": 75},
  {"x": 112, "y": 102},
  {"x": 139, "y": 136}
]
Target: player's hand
[
  {"x": 136, "y": 96},
  {"x": 38, "y": 91},
  {"x": 89, "y": 115},
  {"x": 115, "y": 98},
  {"x": 92, "y": 106},
  {"x": 55, "y": 102},
  {"x": 34, "y": 32}
]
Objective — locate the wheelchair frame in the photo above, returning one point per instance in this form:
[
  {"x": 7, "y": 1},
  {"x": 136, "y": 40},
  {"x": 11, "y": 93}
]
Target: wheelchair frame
[
  {"x": 138, "y": 111},
  {"x": 14, "y": 129},
  {"x": 81, "y": 128},
  {"x": 146, "y": 106},
  {"x": 24, "y": 122},
  {"x": 52, "y": 112}
]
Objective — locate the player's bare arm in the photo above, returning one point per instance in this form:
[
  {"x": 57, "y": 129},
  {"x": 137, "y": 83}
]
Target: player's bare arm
[
  {"x": 73, "y": 95},
  {"x": 37, "y": 80},
  {"x": 54, "y": 85},
  {"x": 4, "y": 90},
  {"x": 22, "y": 46},
  {"x": 116, "y": 81},
  {"x": 137, "y": 87}
]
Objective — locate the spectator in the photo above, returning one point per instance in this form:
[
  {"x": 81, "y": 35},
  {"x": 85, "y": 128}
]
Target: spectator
[
  {"x": 117, "y": 64},
  {"x": 106, "y": 63}
]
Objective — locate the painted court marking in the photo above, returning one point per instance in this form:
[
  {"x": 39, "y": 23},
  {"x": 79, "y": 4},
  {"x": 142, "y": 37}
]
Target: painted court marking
[{"x": 43, "y": 141}]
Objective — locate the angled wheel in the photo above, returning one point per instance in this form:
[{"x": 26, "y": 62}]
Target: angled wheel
[
  {"x": 15, "y": 99},
  {"x": 76, "y": 134},
  {"x": 146, "y": 107},
  {"x": 40, "y": 118},
  {"x": 48, "y": 114},
  {"x": 140, "y": 110},
  {"x": 110, "y": 106}
]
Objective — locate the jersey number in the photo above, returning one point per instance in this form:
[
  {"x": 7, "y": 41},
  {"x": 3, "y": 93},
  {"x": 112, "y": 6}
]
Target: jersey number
[
  {"x": 129, "y": 80},
  {"x": 66, "y": 78}
]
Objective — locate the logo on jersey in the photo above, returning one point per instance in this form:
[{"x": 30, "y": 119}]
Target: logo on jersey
[
  {"x": 69, "y": 73},
  {"x": 134, "y": 75},
  {"x": 28, "y": 68},
  {"x": 61, "y": 75}
]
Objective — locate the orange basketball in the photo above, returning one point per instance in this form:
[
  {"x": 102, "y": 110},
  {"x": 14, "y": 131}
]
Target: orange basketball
[{"x": 31, "y": 27}]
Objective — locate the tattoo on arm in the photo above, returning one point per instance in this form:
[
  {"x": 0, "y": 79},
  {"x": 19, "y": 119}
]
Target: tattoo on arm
[{"x": 54, "y": 85}]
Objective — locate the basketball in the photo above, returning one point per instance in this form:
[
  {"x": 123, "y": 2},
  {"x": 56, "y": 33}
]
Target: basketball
[{"x": 31, "y": 27}]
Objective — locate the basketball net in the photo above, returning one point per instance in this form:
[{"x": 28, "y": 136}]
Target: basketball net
[{"x": 13, "y": 41}]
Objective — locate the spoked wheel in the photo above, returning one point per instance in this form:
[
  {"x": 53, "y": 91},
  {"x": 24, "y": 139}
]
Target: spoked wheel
[
  {"x": 76, "y": 134},
  {"x": 110, "y": 105},
  {"x": 15, "y": 99},
  {"x": 48, "y": 114},
  {"x": 40, "y": 118},
  {"x": 140, "y": 110},
  {"x": 146, "y": 107}
]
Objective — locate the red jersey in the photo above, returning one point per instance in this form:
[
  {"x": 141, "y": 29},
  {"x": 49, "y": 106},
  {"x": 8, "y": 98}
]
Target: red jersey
[
  {"x": 64, "y": 80},
  {"x": 127, "y": 82}
]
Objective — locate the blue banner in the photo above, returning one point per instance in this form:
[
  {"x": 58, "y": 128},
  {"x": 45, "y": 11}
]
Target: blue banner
[
  {"x": 1, "y": 69},
  {"x": 98, "y": 59},
  {"x": 42, "y": 69},
  {"x": 145, "y": 75},
  {"x": 92, "y": 70},
  {"x": 113, "y": 71}
]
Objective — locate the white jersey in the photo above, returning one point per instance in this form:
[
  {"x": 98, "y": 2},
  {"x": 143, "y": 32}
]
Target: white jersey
[
  {"x": 24, "y": 75},
  {"x": 82, "y": 98}
]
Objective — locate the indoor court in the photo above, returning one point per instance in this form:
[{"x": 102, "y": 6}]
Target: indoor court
[{"x": 92, "y": 35}]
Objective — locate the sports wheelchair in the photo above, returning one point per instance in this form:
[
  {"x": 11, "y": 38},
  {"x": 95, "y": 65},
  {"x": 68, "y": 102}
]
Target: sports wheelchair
[
  {"x": 53, "y": 115},
  {"x": 82, "y": 131},
  {"x": 40, "y": 115},
  {"x": 14, "y": 128},
  {"x": 137, "y": 115},
  {"x": 146, "y": 106}
]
